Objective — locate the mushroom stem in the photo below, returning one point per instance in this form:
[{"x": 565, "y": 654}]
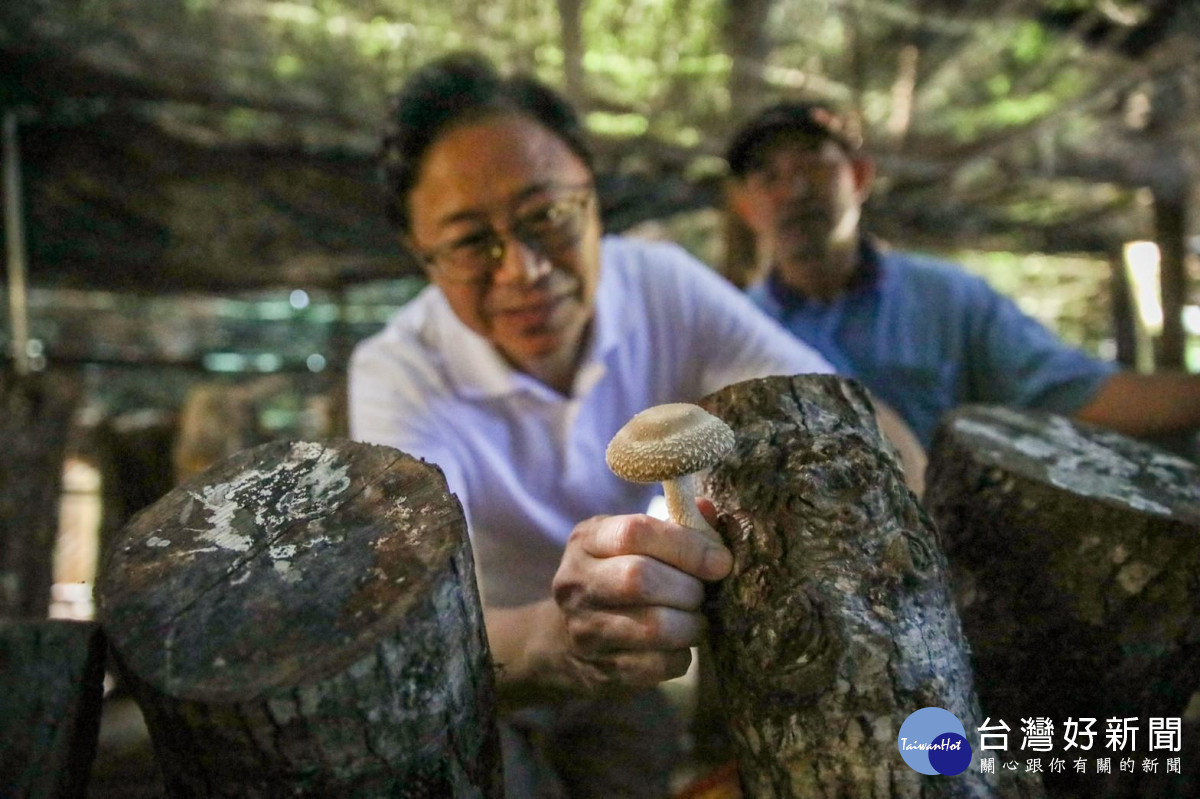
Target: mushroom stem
[{"x": 680, "y": 494}]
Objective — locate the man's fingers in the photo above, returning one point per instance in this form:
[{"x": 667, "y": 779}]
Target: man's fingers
[
  {"x": 620, "y": 672},
  {"x": 685, "y": 549},
  {"x": 633, "y": 580},
  {"x": 708, "y": 510},
  {"x": 636, "y": 629}
]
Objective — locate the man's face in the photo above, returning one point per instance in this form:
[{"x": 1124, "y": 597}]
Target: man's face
[
  {"x": 803, "y": 199},
  {"x": 501, "y": 184}
]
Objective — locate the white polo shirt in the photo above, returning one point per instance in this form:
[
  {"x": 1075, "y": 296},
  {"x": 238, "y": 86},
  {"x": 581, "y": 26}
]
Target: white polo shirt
[{"x": 526, "y": 462}]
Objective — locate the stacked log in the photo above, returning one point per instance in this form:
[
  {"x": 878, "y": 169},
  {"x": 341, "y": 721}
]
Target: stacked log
[
  {"x": 53, "y": 676},
  {"x": 36, "y": 416},
  {"x": 837, "y": 622},
  {"x": 302, "y": 619},
  {"x": 1074, "y": 555}
]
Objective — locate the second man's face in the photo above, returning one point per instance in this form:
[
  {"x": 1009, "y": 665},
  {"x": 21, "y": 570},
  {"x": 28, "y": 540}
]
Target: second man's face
[{"x": 803, "y": 199}]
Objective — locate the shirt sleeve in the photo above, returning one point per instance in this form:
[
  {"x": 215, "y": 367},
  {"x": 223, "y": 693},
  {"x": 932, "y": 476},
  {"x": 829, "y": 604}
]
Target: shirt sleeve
[
  {"x": 1023, "y": 363},
  {"x": 729, "y": 339},
  {"x": 388, "y": 405}
]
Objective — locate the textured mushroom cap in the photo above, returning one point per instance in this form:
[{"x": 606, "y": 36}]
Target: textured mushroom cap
[{"x": 667, "y": 441}]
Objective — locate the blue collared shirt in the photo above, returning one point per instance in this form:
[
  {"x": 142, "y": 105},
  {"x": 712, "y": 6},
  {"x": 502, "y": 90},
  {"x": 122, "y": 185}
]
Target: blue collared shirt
[{"x": 925, "y": 336}]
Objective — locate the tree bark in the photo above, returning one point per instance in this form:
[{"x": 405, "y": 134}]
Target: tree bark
[
  {"x": 1124, "y": 330},
  {"x": 748, "y": 44},
  {"x": 137, "y": 468},
  {"x": 1172, "y": 184},
  {"x": 570, "y": 20},
  {"x": 50, "y": 707},
  {"x": 36, "y": 412},
  {"x": 303, "y": 619},
  {"x": 836, "y": 623},
  {"x": 1171, "y": 230},
  {"x": 1074, "y": 554}
]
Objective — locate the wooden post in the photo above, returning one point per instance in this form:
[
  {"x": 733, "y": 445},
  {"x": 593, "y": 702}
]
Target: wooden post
[
  {"x": 1124, "y": 325},
  {"x": 836, "y": 623},
  {"x": 1075, "y": 553},
  {"x": 1171, "y": 216},
  {"x": 302, "y": 619},
  {"x": 53, "y": 676},
  {"x": 14, "y": 234}
]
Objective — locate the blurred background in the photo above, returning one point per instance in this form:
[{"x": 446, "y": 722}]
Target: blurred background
[{"x": 194, "y": 237}]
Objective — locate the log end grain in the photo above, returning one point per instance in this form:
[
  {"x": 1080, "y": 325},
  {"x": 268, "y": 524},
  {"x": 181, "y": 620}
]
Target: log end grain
[
  {"x": 284, "y": 563},
  {"x": 1080, "y": 459}
]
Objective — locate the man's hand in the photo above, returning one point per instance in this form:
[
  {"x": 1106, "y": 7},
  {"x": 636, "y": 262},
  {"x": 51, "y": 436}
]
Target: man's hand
[{"x": 629, "y": 590}]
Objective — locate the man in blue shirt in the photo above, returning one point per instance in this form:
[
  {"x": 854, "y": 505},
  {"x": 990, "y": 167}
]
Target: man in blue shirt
[{"x": 921, "y": 334}]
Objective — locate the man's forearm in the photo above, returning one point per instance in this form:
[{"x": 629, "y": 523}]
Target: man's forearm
[
  {"x": 912, "y": 454},
  {"x": 526, "y": 646},
  {"x": 1146, "y": 404}
]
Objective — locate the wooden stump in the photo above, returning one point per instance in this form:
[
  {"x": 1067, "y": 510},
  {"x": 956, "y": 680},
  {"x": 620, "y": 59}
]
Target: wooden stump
[
  {"x": 140, "y": 472},
  {"x": 836, "y": 623},
  {"x": 53, "y": 678},
  {"x": 1075, "y": 557},
  {"x": 36, "y": 413},
  {"x": 302, "y": 619}
]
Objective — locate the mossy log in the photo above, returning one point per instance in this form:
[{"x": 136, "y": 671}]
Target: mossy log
[
  {"x": 837, "y": 621},
  {"x": 302, "y": 619},
  {"x": 1075, "y": 553},
  {"x": 52, "y": 672}
]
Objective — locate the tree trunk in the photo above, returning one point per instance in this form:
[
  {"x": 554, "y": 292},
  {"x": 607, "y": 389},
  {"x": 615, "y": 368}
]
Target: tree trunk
[
  {"x": 570, "y": 20},
  {"x": 1123, "y": 322},
  {"x": 53, "y": 674},
  {"x": 1171, "y": 229},
  {"x": 36, "y": 412},
  {"x": 1171, "y": 186},
  {"x": 1075, "y": 553},
  {"x": 132, "y": 452},
  {"x": 302, "y": 619},
  {"x": 748, "y": 44},
  {"x": 836, "y": 623}
]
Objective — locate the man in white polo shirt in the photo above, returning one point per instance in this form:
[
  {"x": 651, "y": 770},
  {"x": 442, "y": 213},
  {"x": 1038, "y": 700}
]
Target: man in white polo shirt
[
  {"x": 527, "y": 461},
  {"x": 537, "y": 340}
]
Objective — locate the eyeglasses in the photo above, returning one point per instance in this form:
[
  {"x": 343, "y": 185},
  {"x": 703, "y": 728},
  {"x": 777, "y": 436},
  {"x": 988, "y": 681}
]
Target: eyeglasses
[{"x": 548, "y": 228}]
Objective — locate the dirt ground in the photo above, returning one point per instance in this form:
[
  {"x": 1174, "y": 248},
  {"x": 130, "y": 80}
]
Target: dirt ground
[{"x": 124, "y": 765}]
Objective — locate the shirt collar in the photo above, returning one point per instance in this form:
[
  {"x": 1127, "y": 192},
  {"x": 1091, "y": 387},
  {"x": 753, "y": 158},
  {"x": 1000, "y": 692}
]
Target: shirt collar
[
  {"x": 473, "y": 365},
  {"x": 866, "y": 277}
]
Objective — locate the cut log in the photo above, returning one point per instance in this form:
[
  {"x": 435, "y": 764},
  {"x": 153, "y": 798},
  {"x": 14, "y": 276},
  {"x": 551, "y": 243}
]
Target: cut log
[
  {"x": 139, "y": 445},
  {"x": 1075, "y": 553},
  {"x": 53, "y": 678},
  {"x": 837, "y": 622},
  {"x": 302, "y": 619},
  {"x": 36, "y": 412}
]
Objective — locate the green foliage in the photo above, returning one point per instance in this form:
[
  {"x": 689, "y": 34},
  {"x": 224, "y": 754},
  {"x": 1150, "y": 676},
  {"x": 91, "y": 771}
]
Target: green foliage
[
  {"x": 1069, "y": 295},
  {"x": 1010, "y": 75},
  {"x": 990, "y": 78},
  {"x": 657, "y": 69},
  {"x": 1030, "y": 43},
  {"x": 662, "y": 61}
]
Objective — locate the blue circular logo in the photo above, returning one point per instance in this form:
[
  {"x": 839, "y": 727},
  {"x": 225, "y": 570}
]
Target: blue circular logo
[{"x": 933, "y": 741}]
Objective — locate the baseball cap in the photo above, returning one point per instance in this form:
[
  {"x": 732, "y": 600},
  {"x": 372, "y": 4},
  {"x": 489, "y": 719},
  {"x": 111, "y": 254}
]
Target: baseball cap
[{"x": 806, "y": 118}]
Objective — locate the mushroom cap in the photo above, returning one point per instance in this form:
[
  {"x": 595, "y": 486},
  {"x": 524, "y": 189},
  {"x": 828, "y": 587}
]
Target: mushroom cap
[{"x": 668, "y": 441}]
